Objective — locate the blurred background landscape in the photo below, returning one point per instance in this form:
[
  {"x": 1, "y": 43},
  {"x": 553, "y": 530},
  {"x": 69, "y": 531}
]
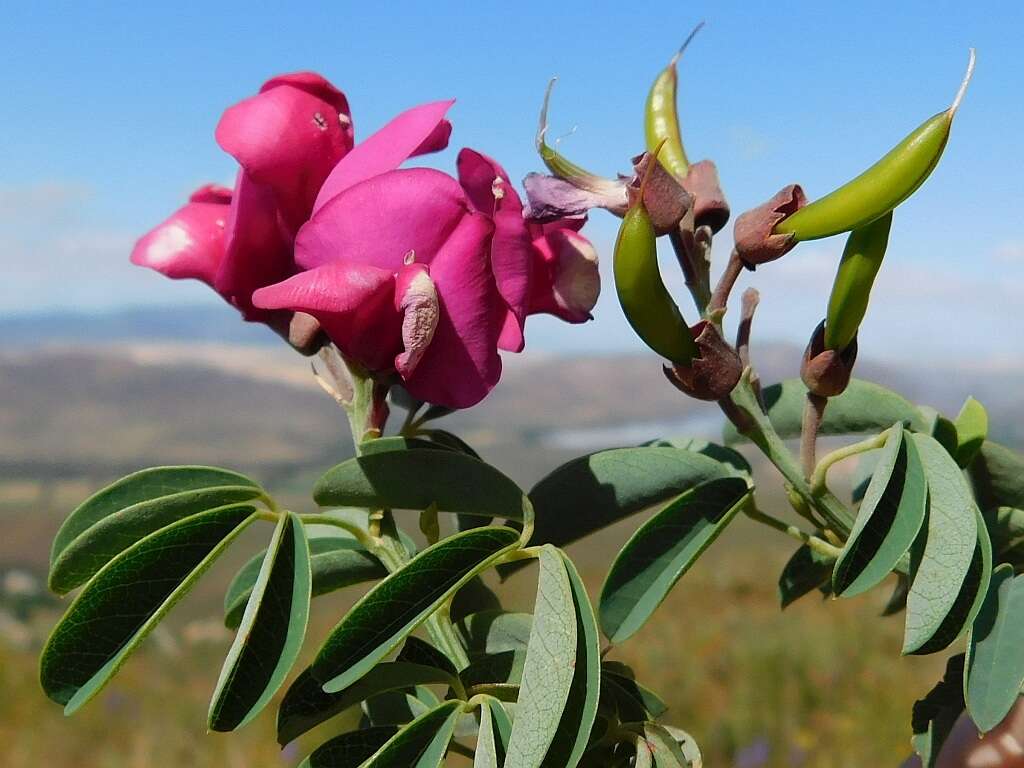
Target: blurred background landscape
[
  {"x": 86, "y": 399},
  {"x": 107, "y": 124}
]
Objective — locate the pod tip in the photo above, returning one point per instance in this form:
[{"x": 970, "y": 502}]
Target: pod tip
[
  {"x": 963, "y": 85},
  {"x": 686, "y": 42},
  {"x": 542, "y": 126}
]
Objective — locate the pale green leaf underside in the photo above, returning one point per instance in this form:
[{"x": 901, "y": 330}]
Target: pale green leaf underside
[
  {"x": 950, "y": 537},
  {"x": 548, "y": 673}
]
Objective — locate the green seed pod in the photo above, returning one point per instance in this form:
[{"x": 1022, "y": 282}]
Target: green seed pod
[
  {"x": 645, "y": 301},
  {"x": 851, "y": 289},
  {"x": 661, "y": 121},
  {"x": 881, "y": 187}
]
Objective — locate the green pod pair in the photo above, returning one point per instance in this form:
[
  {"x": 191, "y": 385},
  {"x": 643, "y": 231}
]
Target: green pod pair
[
  {"x": 848, "y": 303},
  {"x": 881, "y": 187},
  {"x": 661, "y": 120},
  {"x": 645, "y": 301}
]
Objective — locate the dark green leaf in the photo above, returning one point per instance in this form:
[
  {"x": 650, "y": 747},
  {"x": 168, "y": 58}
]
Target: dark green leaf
[
  {"x": 715, "y": 451},
  {"x": 888, "y": 521},
  {"x": 306, "y": 705},
  {"x": 935, "y": 714},
  {"x": 971, "y": 431},
  {"x": 404, "y": 479},
  {"x": 473, "y": 598},
  {"x": 997, "y": 474},
  {"x": 944, "y": 554},
  {"x": 124, "y": 601},
  {"x": 594, "y": 491},
  {"x": 504, "y": 668},
  {"x": 335, "y": 562},
  {"x": 667, "y": 751},
  {"x": 422, "y": 743},
  {"x": 489, "y": 632},
  {"x": 548, "y": 673},
  {"x": 898, "y": 599},
  {"x": 570, "y": 740},
  {"x": 350, "y": 750},
  {"x": 863, "y": 407},
  {"x": 451, "y": 441},
  {"x": 388, "y": 444},
  {"x": 416, "y": 651},
  {"x": 140, "y": 504},
  {"x": 624, "y": 678},
  {"x": 271, "y": 632},
  {"x": 390, "y": 611},
  {"x": 995, "y": 651},
  {"x": 662, "y": 550},
  {"x": 399, "y": 707},
  {"x": 805, "y": 572}
]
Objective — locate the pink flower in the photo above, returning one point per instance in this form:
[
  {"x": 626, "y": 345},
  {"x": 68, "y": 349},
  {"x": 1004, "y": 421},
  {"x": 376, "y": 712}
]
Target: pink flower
[
  {"x": 409, "y": 272},
  {"x": 287, "y": 140},
  {"x": 462, "y": 267}
]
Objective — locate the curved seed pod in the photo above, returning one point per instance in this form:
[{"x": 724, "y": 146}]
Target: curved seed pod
[
  {"x": 851, "y": 289},
  {"x": 645, "y": 301},
  {"x": 661, "y": 121},
  {"x": 881, "y": 187}
]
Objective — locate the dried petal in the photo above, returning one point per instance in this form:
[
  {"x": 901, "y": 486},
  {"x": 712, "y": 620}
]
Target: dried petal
[
  {"x": 752, "y": 232},
  {"x": 710, "y": 207},
  {"x": 712, "y": 375},
  {"x": 826, "y": 372},
  {"x": 666, "y": 200}
]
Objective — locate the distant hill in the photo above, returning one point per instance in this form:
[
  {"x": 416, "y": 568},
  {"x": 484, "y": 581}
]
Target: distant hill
[{"x": 197, "y": 322}]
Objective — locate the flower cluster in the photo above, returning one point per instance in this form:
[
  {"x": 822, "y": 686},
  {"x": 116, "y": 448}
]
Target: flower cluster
[{"x": 410, "y": 272}]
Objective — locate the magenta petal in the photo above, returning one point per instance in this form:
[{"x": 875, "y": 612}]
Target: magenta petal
[
  {"x": 385, "y": 150},
  {"x": 354, "y": 304},
  {"x": 190, "y": 243},
  {"x": 510, "y": 337},
  {"x": 566, "y": 278},
  {"x": 316, "y": 85},
  {"x": 381, "y": 220},
  {"x": 255, "y": 251},
  {"x": 436, "y": 141},
  {"x": 491, "y": 193},
  {"x": 462, "y": 364},
  {"x": 289, "y": 138}
]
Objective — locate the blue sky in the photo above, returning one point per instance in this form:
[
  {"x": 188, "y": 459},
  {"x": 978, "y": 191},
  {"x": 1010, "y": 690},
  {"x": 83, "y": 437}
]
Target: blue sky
[{"x": 108, "y": 112}]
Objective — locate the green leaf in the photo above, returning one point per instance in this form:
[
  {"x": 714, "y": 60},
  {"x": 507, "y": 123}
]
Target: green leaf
[
  {"x": 997, "y": 474},
  {"x": 644, "y": 698},
  {"x": 399, "y": 707},
  {"x": 495, "y": 729},
  {"x": 971, "y": 431},
  {"x": 305, "y": 705},
  {"x": 390, "y": 611},
  {"x": 805, "y": 572},
  {"x": 863, "y": 407},
  {"x": 688, "y": 745},
  {"x": 504, "y": 668},
  {"x": 666, "y": 750},
  {"x": 888, "y": 521},
  {"x": 114, "y": 518},
  {"x": 570, "y": 740},
  {"x": 935, "y": 714},
  {"x": 422, "y": 743},
  {"x": 450, "y": 441},
  {"x": 495, "y": 631},
  {"x": 416, "y": 651},
  {"x": 271, "y": 632},
  {"x": 397, "y": 443},
  {"x": 473, "y": 598},
  {"x": 335, "y": 562},
  {"x": 415, "y": 479},
  {"x": 594, "y": 491},
  {"x": 662, "y": 550},
  {"x": 548, "y": 674},
  {"x": 714, "y": 451},
  {"x": 995, "y": 651},
  {"x": 350, "y": 750},
  {"x": 127, "y": 598},
  {"x": 942, "y": 557}
]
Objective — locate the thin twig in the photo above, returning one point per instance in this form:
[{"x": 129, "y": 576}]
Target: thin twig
[
  {"x": 720, "y": 298},
  {"x": 814, "y": 411},
  {"x": 751, "y": 298}
]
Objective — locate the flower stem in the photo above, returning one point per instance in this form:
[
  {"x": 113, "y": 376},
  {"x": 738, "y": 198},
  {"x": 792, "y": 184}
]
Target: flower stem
[
  {"x": 820, "y": 546},
  {"x": 814, "y": 412},
  {"x": 818, "y": 476}
]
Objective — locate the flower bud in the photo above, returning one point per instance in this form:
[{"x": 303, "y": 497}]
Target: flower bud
[
  {"x": 826, "y": 372},
  {"x": 714, "y": 373},
  {"x": 753, "y": 232}
]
